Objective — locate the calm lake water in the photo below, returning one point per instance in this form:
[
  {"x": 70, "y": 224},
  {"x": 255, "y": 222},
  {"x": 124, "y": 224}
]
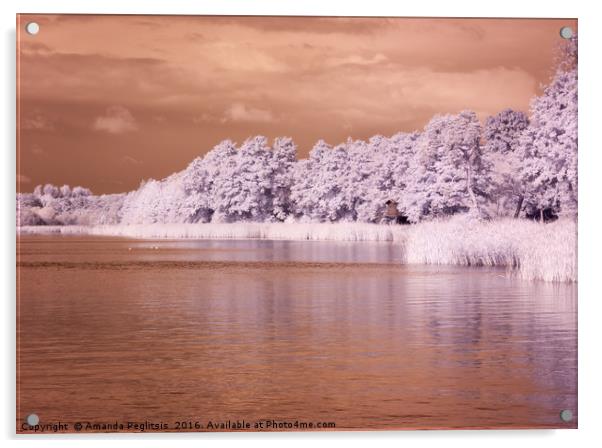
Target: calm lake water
[{"x": 118, "y": 330}]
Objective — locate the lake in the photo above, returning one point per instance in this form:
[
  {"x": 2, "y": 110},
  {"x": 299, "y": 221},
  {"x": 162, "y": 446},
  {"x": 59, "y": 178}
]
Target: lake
[{"x": 118, "y": 330}]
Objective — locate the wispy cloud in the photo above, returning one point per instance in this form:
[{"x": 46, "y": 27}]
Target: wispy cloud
[
  {"x": 131, "y": 160},
  {"x": 203, "y": 118},
  {"x": 23, "y": 179},
  {"x": 37, "y": 122},
  {"x": 37, "y": 150},
  {"x": 116, "y": 120},
  {"x": 239, "y": 112},
  {"x": 356, "y": 59}
]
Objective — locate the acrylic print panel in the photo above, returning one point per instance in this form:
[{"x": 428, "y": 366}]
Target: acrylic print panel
[{"x": 295, "y": 224}]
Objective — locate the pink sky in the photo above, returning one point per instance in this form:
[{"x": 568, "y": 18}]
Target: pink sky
[{"x": 105, "y": 101}]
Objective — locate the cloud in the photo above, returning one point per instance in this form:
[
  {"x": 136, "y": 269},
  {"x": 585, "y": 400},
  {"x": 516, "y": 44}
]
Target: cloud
[
  {"x": 37, "y": 122},
  {"x": 23, "y": 179},
  {"x": 131, "y": 160},
  {"x": 355, "y": 59},
  {"x": 239, "y": 112},
  {"x": 37, "y": 150},
  {"x": 117, "y": 120},
  {"x": 203, "y": 118},
  {"x": 303, "y": 25},
  {"x": 35, "y": 48}
]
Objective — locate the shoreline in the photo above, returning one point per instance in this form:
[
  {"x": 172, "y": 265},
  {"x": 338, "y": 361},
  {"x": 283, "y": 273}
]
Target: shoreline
[{"x": 531, "y": 250}]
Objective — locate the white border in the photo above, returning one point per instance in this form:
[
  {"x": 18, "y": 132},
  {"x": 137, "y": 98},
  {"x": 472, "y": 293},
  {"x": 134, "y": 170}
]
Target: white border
[{"x": 590, "y": 163}]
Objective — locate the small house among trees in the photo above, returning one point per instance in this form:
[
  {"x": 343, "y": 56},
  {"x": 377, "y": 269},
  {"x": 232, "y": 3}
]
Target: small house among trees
[{"x": 392, "y": 214}]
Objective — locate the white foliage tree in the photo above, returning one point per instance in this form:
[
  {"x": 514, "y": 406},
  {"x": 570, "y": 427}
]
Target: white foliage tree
[
  {"x": 502, "y": 134},
  {"x": 392, "y": 172},
  {"x": 378, "y": 172},
  {"x": 321, "y": 185},
  {"x": 284, "y": 158},
  {"x": 448, "y": 174},
  {"x": 549, "y": 170},
  {"x": 51, "y": 205},
  {"x": 154, "y": 201},
  {"x": 242, "y": 186}
]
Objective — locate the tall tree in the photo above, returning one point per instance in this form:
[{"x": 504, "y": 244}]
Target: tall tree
[
  {"x": 242, "y": 189},
  {"x": 284, "y": 158},
  {"x": 502, "y": 133},
  {"x": 549, "y": 171},
  {"x": 321, "y": 189},
  {"x": 448, "y": 173}
]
